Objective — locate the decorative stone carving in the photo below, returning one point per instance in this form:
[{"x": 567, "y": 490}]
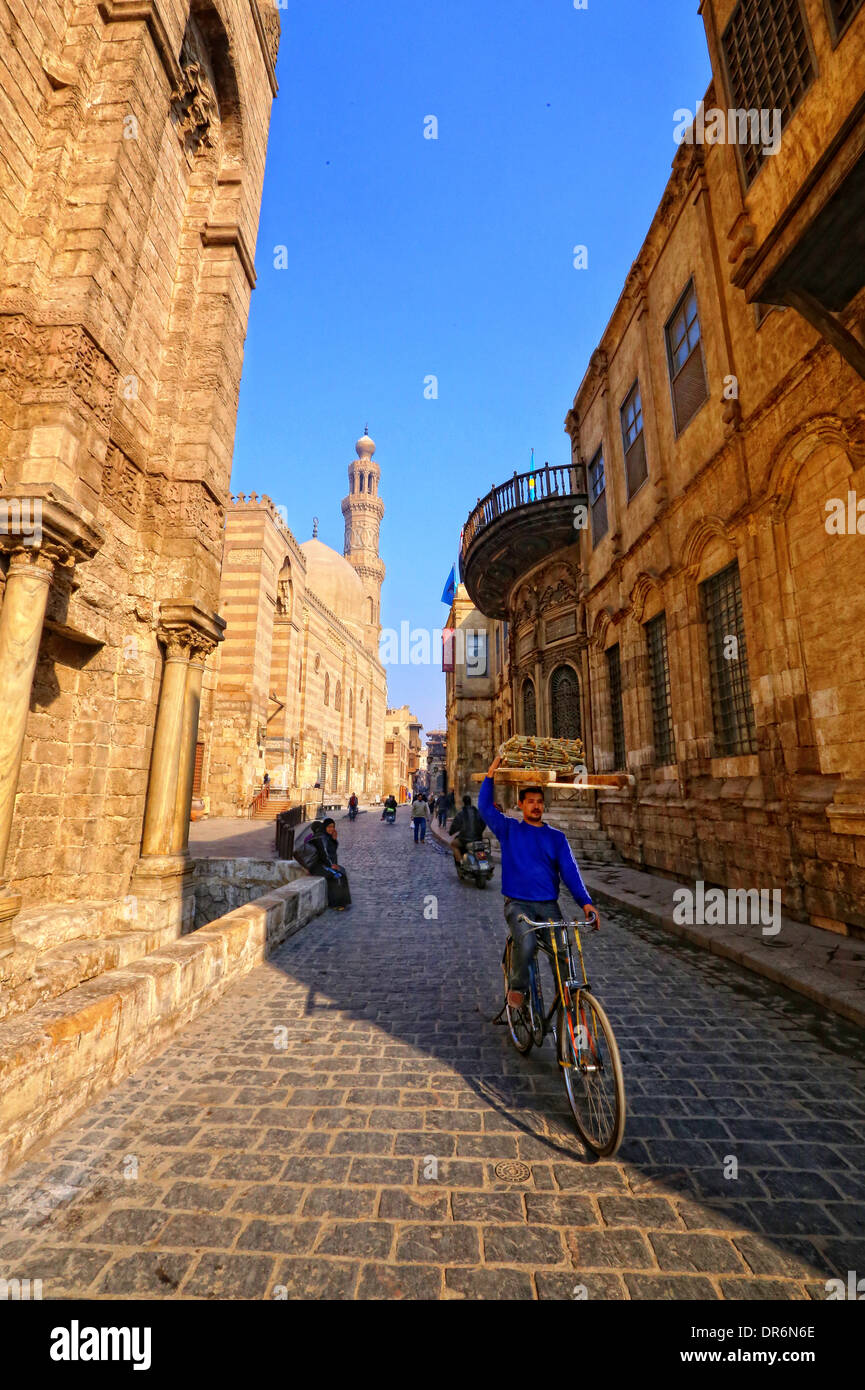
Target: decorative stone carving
[
  {"x": 51, "y": 362},
  {"x": 193, "y": 102}
]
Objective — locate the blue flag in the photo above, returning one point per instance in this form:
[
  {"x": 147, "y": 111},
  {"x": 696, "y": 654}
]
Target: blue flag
[{"x": 450, "y": 588}]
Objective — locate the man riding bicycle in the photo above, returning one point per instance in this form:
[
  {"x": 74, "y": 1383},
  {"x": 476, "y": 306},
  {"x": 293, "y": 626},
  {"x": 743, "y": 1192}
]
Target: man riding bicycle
[{"x": 535, "y": 859}]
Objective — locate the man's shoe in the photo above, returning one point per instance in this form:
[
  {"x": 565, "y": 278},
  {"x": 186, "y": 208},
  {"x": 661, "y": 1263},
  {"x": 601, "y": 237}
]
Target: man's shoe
[{"x": 516, "y": 998}]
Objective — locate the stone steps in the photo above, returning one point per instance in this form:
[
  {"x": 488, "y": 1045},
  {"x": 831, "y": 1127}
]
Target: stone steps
[
  {"x": 272, "y": 808},
  {"x": 63, "y": 1053}
]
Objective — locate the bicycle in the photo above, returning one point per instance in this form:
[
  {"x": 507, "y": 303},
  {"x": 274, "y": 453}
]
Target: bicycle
[{"x": 586, "y": 1047}]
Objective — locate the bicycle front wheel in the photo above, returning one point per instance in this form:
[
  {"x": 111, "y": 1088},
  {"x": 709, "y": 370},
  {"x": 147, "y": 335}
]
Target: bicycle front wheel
[{"x": 592, "y": 1073}]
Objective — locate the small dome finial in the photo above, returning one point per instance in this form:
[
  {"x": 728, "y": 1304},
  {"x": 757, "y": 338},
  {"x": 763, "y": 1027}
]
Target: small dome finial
[
  {"x": 315, "y": 528},
  {"x": 365, "y": 447}
]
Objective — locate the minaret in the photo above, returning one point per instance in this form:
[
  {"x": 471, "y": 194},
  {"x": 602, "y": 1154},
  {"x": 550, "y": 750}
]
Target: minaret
[{"x": 363, "y": 510}]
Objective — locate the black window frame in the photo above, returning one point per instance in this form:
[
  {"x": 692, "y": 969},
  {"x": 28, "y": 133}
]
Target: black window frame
[
  {"x": 729, "y": 680},
  {"x": 660, "y": 690},
  {"x": 529, "y": 685},
  {"x": 565, "y": 667},
  {"x": 613, "y": 657}
]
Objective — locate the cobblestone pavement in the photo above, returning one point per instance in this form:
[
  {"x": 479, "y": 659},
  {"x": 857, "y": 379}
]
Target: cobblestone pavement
[{"x": 331, "y": 1128}]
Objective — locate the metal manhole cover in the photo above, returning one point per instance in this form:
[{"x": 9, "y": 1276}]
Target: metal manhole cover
[{"x": 513, "y": 1171}]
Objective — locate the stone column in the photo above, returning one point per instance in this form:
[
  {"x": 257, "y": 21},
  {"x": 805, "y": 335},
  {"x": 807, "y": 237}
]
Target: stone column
[
  {"x": 58, "y": 532},
  {"x": 29, "y": 579},
  {"x": 163, "y": 875},
  {"x": 200, "y": 649},
  {"x": 159, "y": 813}
]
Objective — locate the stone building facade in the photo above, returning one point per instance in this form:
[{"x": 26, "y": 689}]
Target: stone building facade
[
  {"x": 477, "y": 691},
  {"x": 402, "y": 752},
  {"x": 132, "y": 150},
  {"x": 436, "y": 744},
  {"x": 701, "y": 625},
  {"x": 297, "y": 689}
]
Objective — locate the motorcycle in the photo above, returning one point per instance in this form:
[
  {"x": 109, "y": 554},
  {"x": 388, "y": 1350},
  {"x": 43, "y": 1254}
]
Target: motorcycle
[
  {"x": 477, "y": 863},
  {"x": 352, "y": 812},
  {"x": 389, "y": 815}
]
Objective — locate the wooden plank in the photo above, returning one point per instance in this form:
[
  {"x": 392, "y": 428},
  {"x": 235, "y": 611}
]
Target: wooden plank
[{"x": 543, "y": 777}]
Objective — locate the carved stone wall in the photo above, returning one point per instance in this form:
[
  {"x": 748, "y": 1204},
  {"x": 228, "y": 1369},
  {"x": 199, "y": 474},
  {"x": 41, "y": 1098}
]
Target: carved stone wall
[{"x": 131, "y": 165}]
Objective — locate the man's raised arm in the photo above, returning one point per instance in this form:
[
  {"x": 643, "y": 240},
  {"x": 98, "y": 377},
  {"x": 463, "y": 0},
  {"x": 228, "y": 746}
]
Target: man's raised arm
[{"x": 496, "y": 822}]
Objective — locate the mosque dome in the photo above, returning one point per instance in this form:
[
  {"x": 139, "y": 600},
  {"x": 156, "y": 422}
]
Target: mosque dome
[
  {"x": 332, "y": 579},
  {"x": 365, "y": 447}
]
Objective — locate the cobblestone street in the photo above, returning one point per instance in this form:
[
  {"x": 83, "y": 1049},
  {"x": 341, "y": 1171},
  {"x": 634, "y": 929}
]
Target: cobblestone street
[{"x": 331, "y": 1128}]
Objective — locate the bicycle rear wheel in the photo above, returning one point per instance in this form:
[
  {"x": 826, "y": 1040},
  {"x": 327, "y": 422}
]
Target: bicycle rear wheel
[
  {"x": 519, "y": 1020},
  {"x": 592, "y": 1073}
]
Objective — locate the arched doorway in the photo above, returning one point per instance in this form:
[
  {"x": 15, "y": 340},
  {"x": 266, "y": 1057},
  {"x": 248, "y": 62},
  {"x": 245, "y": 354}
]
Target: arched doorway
[
  {"x": 530, "y": 712},
  {"x": 565, "y": 719}
]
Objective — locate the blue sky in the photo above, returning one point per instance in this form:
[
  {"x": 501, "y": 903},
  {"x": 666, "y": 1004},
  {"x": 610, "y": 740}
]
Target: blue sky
[{"x": 407, "y": 257}]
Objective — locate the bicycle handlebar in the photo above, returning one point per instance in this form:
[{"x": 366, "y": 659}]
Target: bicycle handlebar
[{"x": 539, "y": 926}]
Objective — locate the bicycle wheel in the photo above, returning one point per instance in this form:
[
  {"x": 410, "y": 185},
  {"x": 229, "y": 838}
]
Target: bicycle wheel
[
  {"x": 592, "y": 1073},
  {"x": 519, "y": 1020}
]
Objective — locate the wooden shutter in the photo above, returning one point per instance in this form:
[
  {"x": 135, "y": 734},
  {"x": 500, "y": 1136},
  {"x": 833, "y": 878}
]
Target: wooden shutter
[
  {"x": 689, "y": 389},
  {"x": 636, "y": 469}
]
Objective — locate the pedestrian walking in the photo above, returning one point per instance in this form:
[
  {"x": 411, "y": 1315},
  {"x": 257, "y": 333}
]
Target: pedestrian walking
[{"x": 419, "y": 815}]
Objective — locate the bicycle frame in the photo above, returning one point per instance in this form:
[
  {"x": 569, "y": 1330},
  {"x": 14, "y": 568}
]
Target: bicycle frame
[{"x": 568, "y": 990}]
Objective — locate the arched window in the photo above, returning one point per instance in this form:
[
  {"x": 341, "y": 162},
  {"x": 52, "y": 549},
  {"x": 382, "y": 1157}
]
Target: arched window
[
  {"x": 326, "y": 688},
  {"x": 369, "y": 610},
  {"x": 337, "y": 697},
  {"x": 565, "y": 703},
  {"x": 361, "y": 482},
  {"x": 530, "y": 717}
]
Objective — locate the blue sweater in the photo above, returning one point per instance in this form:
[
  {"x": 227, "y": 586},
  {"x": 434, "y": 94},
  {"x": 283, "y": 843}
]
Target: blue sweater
[{"x": 534, "y": 857}]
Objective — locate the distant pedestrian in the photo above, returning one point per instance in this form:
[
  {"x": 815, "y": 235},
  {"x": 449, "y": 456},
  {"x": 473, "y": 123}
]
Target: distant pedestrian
[{"x": 419, "y": 814}]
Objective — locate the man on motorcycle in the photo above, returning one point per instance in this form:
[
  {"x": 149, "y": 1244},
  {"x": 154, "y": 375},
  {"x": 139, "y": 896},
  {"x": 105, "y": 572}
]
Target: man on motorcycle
[
  {"x": 352, "y": 806},
  {"x": 469, "y": 825},
  {"x": 389, "y": 805}
]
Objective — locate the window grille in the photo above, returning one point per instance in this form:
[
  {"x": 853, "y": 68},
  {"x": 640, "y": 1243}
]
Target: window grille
[
  {"x": 769, "y": 64},
  {"x": 565, "y": 703},
  {"x": 659, "y": 675},
  {"x": 685, "y": 357},
  {"x": 598, "y": 497},
  {"x": 842, "y": 11},
  {"x": 732, "y": 710},
  {"x": 617, "y": 712},
  {"x": 634, "y": 440},
  {"x": 530, "y": 718}
]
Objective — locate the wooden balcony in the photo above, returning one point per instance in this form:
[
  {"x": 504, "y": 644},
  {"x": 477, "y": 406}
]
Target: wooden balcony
[{"x": 515, "y": 527}]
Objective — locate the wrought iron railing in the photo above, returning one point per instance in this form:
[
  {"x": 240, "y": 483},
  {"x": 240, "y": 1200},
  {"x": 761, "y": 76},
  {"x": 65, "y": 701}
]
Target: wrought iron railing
[{"x": 524, "y": 490}]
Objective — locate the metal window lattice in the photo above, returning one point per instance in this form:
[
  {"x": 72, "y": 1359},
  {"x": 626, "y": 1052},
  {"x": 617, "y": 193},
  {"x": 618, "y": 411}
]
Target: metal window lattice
[
  {"x": 565, "y": 703},
  {"x": 530, "y": 722},
  {"x": 659, "y": 676},
  {"x": 842, "y": 12},
  {"x": 617, "y": 713},
  {"x": 732, "y": 710},
  {"x": 769, "y": 63}
]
